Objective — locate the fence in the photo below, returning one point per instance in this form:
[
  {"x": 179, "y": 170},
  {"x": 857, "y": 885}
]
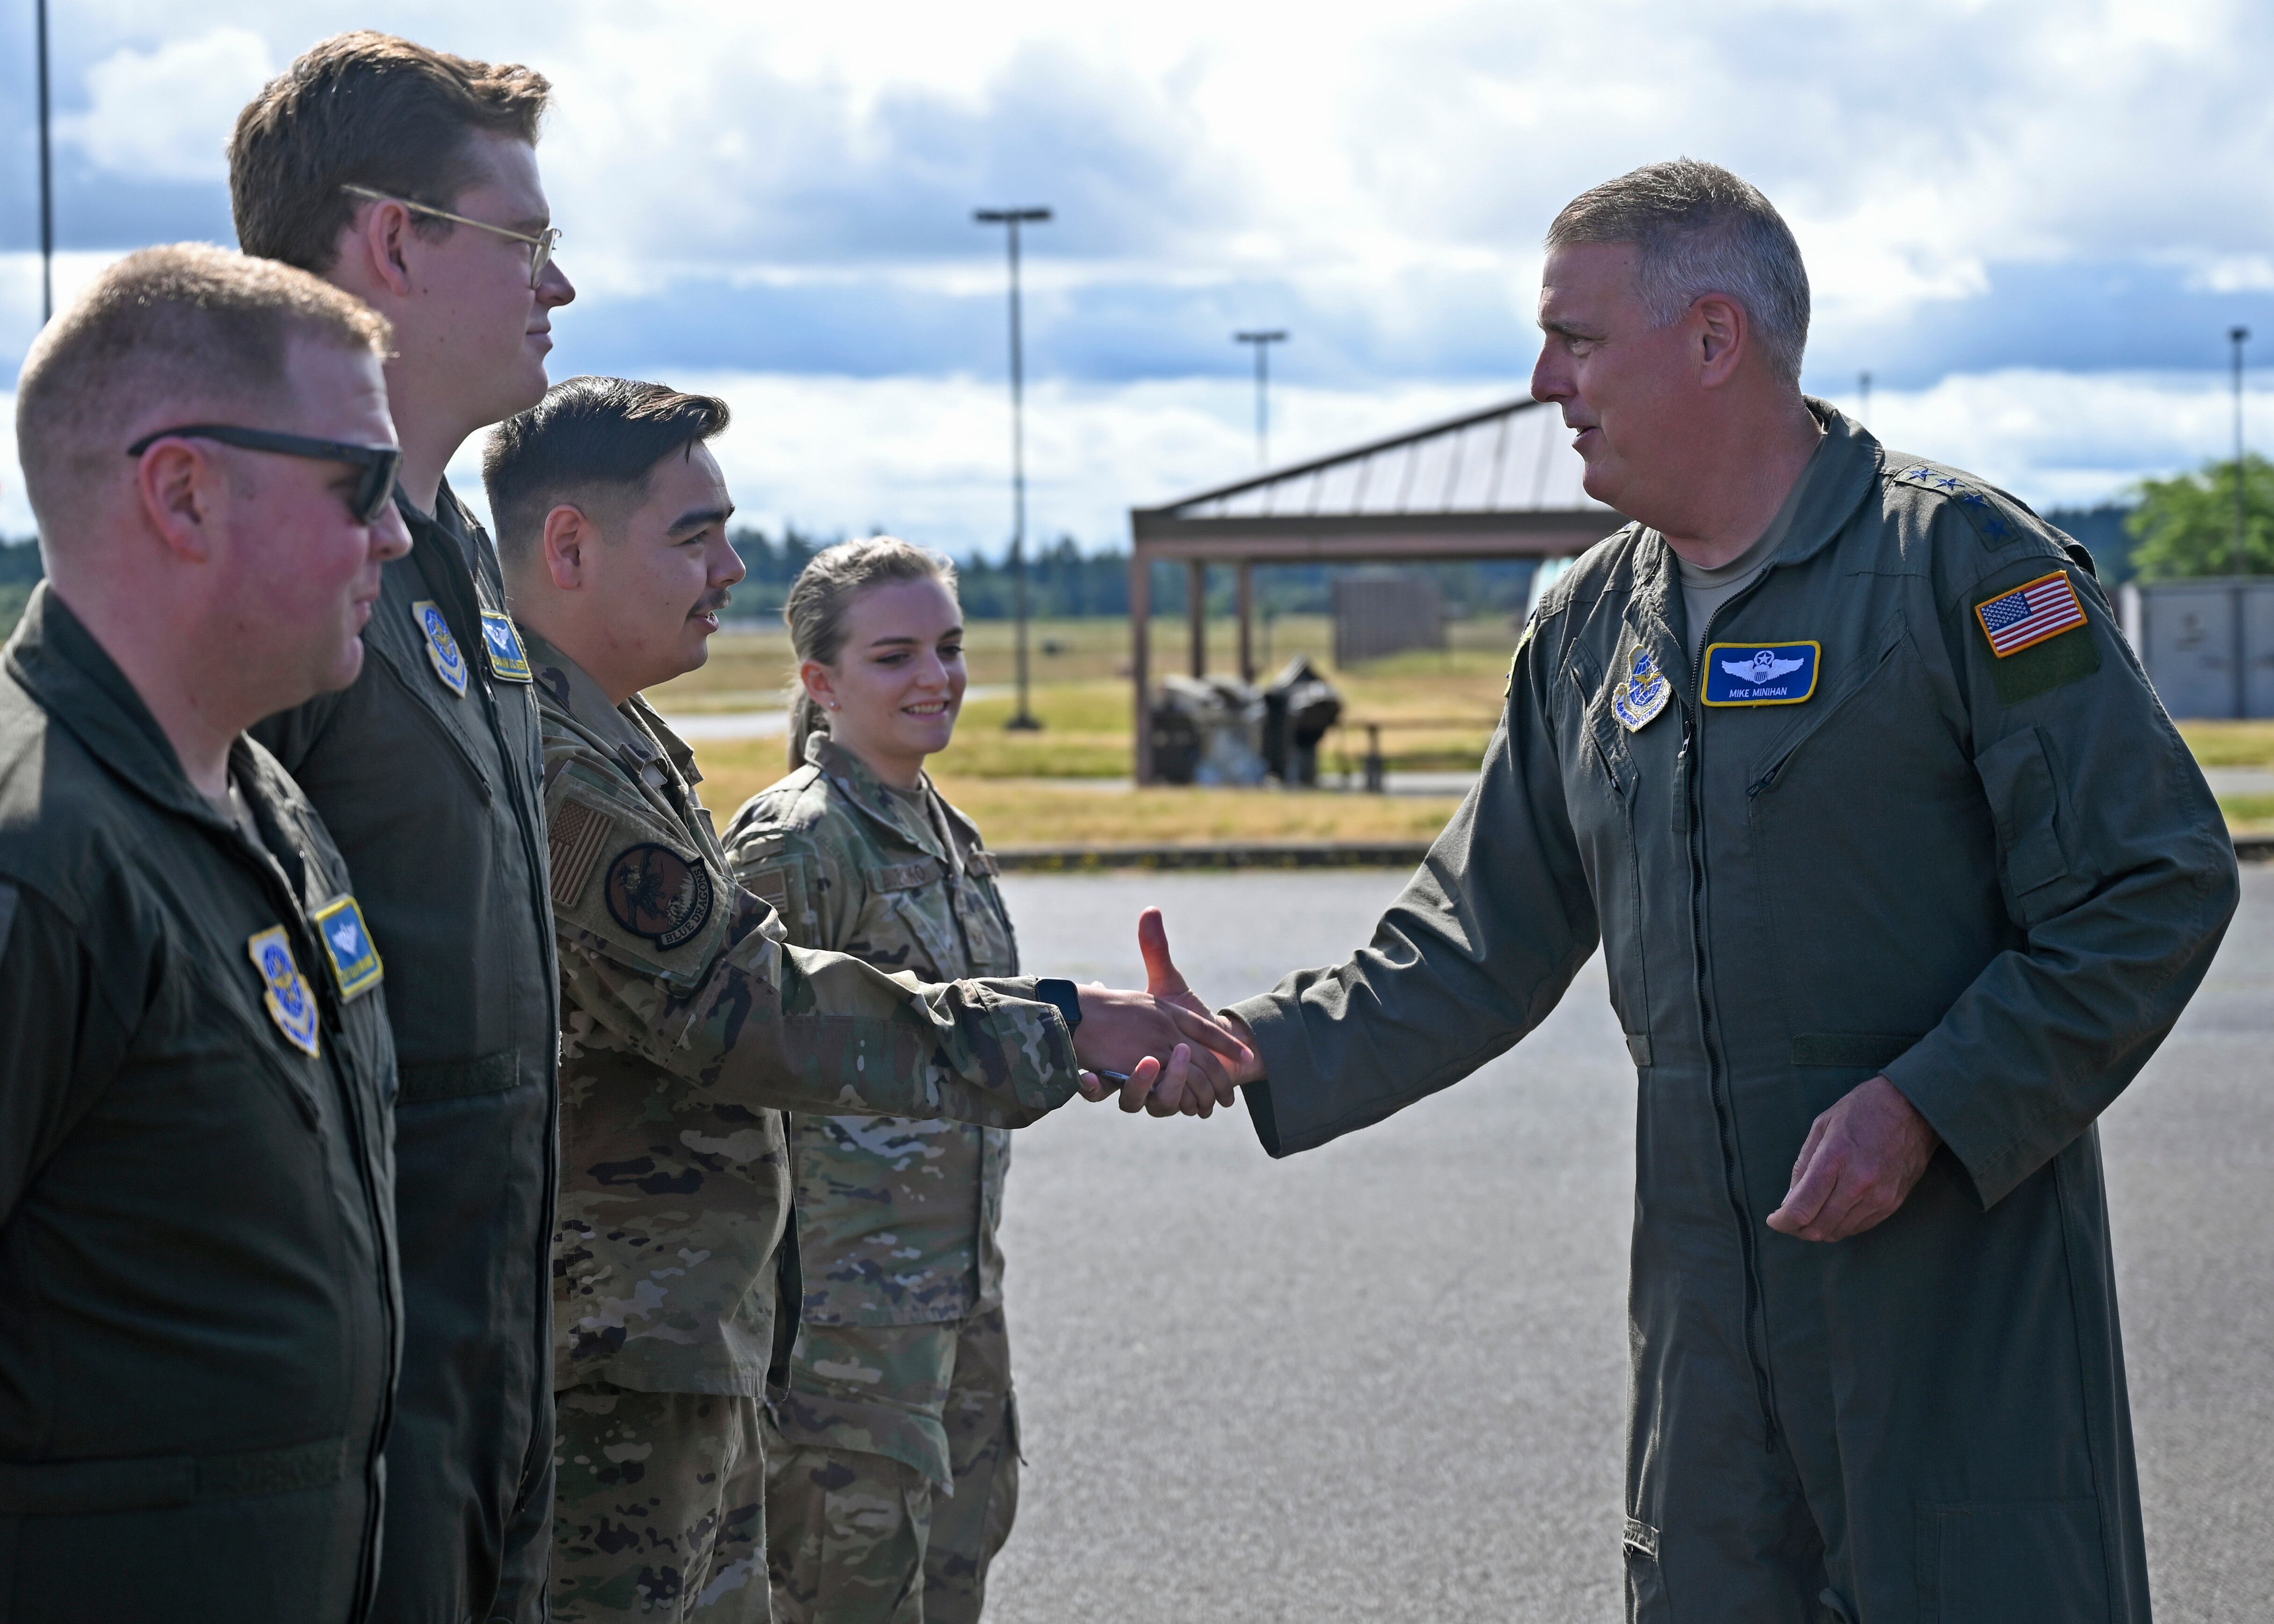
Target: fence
[{"x": 2208, "y": 644}]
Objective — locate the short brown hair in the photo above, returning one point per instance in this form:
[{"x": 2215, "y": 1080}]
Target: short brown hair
[
  {"x": 367, "y": 109},
  {"x": 176, "y": 333},
  {"x": 588, "y": 437}
]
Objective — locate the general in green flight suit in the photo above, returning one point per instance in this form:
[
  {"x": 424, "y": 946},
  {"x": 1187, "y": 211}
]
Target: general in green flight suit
[
  {"x": 896, "y": 1479},
  {"x": 202, "y": 1320},
  {"x": 1900, "y": 874},
  {"x": 688, "y": 1027}
]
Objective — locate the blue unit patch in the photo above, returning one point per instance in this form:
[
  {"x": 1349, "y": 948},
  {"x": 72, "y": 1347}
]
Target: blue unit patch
[
  {"x": 291, "y": 1004},
  {"x": 348, "y": 944},
  {"x": 1637, "y": 700},
  {"x": 442, "y": 649},
  {"x": 1760, "y": 673},
  {"x": 508, "y": 661}
]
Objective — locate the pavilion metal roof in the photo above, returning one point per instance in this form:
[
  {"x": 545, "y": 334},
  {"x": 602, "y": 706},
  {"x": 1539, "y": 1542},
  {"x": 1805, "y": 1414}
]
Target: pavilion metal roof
[{"x": 1501, "y": 481}]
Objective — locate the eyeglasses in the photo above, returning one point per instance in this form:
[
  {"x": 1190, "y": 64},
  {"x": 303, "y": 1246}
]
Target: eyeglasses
[
  {"x": 380, "y": 463},
  {"x": 540, "y": 246}
]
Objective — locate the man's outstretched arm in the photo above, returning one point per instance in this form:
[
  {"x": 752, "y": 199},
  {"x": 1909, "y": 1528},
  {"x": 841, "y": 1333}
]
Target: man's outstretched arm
[{"x": 1479, "y": 948}]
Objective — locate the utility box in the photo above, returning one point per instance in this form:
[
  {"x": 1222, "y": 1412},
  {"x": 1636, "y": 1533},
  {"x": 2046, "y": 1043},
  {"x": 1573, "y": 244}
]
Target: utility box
[
  {"x": 2208, "y": 643},
  {"x": 1380, "y": 614}
]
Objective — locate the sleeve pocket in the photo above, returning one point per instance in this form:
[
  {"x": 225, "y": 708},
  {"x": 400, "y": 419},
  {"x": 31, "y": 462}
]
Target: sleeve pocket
[{"x": 2025, "y": 803}]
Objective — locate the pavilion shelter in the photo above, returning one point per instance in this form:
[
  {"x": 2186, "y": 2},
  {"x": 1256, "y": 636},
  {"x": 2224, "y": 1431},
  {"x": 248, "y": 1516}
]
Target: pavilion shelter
[{"x": 1499, "y": 483}]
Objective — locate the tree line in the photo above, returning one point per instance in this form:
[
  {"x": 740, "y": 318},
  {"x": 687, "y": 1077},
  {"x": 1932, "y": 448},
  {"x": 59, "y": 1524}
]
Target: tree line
[{"x": 2183, "y": 526}]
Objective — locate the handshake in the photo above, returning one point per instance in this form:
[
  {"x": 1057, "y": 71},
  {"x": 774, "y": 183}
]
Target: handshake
[{"x": 1160, "y": 1049}]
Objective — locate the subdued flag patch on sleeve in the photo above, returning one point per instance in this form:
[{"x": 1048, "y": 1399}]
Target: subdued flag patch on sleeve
[
  {"x": 2030, "y": 614},
  {"x": 575, "y": 832}
]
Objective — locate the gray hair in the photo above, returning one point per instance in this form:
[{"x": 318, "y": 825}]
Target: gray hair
[
  {"x": 822, "y": 591},
  {"x": 1697, "y": 230}
]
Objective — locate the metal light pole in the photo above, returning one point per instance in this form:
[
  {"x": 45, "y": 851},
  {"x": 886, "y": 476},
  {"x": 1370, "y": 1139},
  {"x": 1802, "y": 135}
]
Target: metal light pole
[
  {"x": 1262, "y": 343},
  {"x": 46, "y": 185},
  {"x": 1023, "y": 719},
  {"x": 1863, "y": 405},
  {"x": 2238, "y": 337}
]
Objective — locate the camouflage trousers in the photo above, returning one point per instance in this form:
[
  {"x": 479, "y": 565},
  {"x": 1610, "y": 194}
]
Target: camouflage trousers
[
  {"x": 855, "y": 1535},
  {"x": 659, "y": 1511}
]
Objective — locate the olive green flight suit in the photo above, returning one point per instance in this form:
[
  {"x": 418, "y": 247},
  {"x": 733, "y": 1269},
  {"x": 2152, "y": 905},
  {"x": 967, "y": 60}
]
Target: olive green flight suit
[
  {"x": 1995, "y": 878},
  {"x": 895, "y": 1477},
  {"x": 688, "y": 1028},
  {"x": 199, "y": 1311},
  {"x": 431, "y": 788}
]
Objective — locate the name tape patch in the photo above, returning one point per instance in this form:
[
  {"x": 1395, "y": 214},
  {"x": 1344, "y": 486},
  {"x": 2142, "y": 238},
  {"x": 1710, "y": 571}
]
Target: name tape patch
[
  {"x": 508, "y": 659},
  {"x": 1760, "y": 673},
  {"x": 2030, "y": 614},
  {"x": 348, "y": 944}
]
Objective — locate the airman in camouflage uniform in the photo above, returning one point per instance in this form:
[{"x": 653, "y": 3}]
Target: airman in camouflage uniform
[
  {"x": 688, "y": 1028},
  {"x": 893, "y": 1473}
]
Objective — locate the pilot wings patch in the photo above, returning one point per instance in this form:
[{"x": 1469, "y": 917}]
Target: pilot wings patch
[{"x": 1754, "y": 673}]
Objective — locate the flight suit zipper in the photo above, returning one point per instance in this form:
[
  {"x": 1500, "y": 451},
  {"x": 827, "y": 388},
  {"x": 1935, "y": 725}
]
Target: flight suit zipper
[
  {"x": 1717, "y": 1069},
  {"x": 461, "y": 590},
  {"x": 345, "y": 1074}
]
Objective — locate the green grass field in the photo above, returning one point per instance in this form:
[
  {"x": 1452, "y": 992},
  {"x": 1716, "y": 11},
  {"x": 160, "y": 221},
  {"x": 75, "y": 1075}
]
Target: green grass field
[
  {"x": 1029, "y": 788},
  {"x": 1080, "y": 693}
]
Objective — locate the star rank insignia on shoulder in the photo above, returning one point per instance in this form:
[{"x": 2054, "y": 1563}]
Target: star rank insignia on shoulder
[
  {"x": 291, "y": 1006},
  {"x": 442, "y": 650},
  {"x": 1986, "y": 513}
]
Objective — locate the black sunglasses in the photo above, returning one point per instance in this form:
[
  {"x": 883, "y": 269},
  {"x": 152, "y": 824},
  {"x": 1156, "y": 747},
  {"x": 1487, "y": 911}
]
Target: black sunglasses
[{"x": 380, "y": 463}]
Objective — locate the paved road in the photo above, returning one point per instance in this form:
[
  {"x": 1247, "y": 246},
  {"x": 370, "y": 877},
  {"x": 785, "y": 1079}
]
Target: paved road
[{"x": 1384, "y": 1381}]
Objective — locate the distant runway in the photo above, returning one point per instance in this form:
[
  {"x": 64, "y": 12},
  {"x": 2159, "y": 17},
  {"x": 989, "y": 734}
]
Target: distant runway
[{"x": 1385, "y": 1380}]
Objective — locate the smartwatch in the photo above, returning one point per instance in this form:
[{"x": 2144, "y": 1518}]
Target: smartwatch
[{"x": 1056, "y": 989}]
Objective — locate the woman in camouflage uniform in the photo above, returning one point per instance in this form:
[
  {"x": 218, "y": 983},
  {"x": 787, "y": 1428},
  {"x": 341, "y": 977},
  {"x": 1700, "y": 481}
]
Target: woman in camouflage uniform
[{"x": 892, "y": 1469}]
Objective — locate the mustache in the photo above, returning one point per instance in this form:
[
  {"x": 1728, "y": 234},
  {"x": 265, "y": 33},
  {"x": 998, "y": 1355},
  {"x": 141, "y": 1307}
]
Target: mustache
[{"x": 710, "y": 603}]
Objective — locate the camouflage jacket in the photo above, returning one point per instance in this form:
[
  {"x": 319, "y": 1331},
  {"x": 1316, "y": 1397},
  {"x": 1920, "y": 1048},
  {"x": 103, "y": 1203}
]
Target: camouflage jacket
[
  {"x": 896, "y": 1215},
  {"x": 687, "y": 1028}
]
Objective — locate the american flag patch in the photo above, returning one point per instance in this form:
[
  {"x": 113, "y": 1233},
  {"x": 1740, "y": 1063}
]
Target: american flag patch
[{"x": 2029, "y": 614}]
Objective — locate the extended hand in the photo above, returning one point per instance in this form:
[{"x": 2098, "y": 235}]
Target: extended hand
[
  {"x": 1167, "y": 983},
  {"x": 1860, "y": 1161},
  {"x": 1131, "y": 1032}
]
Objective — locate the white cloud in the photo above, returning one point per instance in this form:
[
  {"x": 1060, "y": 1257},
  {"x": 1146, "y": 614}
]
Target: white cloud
[
  {"x": 931, "y": 458},
  {"x": 1356, "y": 157},
  {"x": 2058, "y": 439},
  {"x": 166, "y": 114}
]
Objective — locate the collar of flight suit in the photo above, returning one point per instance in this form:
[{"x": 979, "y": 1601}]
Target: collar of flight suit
[
  {"x": 642, "y": 741},
  {"x": 1840, "y": 477},
  {"x": 61, "y": 664},
  {"x": 861, "y": 785}
]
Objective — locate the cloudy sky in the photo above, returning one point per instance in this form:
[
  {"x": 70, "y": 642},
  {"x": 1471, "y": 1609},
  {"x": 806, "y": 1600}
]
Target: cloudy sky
[{"x": 2032, "y": 223}]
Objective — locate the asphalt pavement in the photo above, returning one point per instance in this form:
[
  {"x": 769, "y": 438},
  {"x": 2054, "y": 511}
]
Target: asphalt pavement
[{"x": 1385, "y": 1380}]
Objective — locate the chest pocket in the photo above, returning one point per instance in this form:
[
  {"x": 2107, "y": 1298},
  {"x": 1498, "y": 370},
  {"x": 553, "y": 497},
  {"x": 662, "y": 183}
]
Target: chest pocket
[
  {"x": 1858, "y": 698},
  {"x": 986, "y": 923},
  {"x": 442, "y": 715},
  {"x": 912, "y": 909}
]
